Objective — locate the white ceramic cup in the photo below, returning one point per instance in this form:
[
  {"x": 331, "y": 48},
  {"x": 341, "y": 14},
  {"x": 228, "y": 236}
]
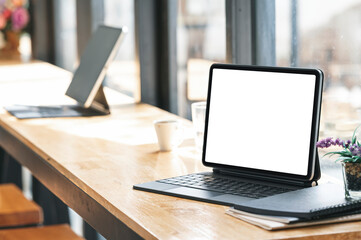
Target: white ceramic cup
[{"x": 169, "y": 133}]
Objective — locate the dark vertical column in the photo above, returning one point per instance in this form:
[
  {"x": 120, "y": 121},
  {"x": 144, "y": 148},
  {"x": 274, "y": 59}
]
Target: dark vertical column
[
  {"x": 10, "y": 170},
  {"x": 250, "y": 32},
  {"x": 264, "y": 32},
  {"x": 156, "y": 49},
  {"x": 42, "y": 30},
  {"x": 294, "y": 34},
  {"x": 239, "y": 32},
  {"x": 89, "y": 14},
  {"x": 146, "y": 50},
  {"x": 167, "y": 45},
  {"x": 55, "y": 211}
]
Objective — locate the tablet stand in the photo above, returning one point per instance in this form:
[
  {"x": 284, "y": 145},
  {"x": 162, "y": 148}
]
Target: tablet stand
[{"x": 100, "y": 102}]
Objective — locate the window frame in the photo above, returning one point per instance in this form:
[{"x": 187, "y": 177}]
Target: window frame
[
  {"x": 250, "y": 32},
  {"x": 156, "y": 51},
  {"x": 250, "y": 39}
]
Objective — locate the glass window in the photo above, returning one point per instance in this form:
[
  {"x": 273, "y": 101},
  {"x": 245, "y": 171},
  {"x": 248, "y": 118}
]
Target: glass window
[
  {"x": 123, "y": 73},
  {"x": 201, "y": 39},
  {"x": 65, "y": 34},
  {"x": 329, "y": 39}
]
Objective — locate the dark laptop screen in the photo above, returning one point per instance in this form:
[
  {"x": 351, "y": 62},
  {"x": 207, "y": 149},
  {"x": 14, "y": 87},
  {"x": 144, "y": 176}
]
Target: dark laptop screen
[{"x": 261, "y": 120}]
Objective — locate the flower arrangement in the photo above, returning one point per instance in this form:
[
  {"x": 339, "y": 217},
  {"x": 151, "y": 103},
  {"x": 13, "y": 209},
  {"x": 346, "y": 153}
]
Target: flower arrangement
[
  {"x": 351, "y": 152},
  {"x": 14, "y": 15},
  {"x": 350, "y": 157}
]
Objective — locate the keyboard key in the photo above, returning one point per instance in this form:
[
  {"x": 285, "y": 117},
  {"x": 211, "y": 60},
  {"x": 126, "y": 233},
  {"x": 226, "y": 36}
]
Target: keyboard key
[{"x": 225, "y": 185}]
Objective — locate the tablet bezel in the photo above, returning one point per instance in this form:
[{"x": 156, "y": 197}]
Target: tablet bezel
[{"x": 314, "y": 130}]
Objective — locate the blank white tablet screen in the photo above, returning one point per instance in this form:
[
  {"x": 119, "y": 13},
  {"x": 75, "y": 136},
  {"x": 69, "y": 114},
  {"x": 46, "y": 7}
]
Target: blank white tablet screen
[{"x": 261, "y": 120}]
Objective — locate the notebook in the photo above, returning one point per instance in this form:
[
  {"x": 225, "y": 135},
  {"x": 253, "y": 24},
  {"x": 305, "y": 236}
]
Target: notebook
[
  {"x": 273, "y": 223},
  {"x": 260, "y": 134},
  {"x": 86, "y": 85},
  {"x": 326, "y": 200}
]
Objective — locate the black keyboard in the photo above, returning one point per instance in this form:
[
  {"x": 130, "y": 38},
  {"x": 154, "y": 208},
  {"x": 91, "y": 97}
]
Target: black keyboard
[{"x": 225, "y": 185}]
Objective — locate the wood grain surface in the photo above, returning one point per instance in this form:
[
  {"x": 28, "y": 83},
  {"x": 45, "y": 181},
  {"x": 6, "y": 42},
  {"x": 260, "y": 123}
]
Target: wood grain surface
[
  {"x": 105, "y": 156},
  {"x": 55, "y": 232},
  {"x": 16, "y": 210}
]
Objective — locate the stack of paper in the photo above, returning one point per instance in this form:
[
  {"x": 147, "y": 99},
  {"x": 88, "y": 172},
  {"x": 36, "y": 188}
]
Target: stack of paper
[
  {"x": 278, "y": 222},
  {"x": 322, "y": 204}
]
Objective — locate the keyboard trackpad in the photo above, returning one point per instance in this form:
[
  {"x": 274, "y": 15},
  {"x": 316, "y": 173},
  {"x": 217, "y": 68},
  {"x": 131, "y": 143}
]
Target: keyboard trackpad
[
  {"x": 230, "y": 198},
  {"x": 192, "y": 192}
]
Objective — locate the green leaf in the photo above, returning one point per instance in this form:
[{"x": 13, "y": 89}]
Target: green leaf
[
  {"x": 343, "y": 153},
  {"x": 329, "y": 154},
  {"x": 332, "y": 153},
  {"x": 354, "y": 135},
  {"x": 356, "y": 159},
  {"x": 343, "y": 159},
  {"x": 346, "y": 153}
]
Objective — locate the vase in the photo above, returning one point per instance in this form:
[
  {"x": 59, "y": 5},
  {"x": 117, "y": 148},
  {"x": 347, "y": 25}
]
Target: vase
[
  {"x": 352, "y": 179},
  {"x": 11, "y": 48}
]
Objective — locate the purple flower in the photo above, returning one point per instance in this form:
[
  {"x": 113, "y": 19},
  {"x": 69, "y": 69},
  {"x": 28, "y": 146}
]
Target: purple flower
[
  {"x": 328, "y": 142},
  {"x": 339, "y": 142},
  {"x": 325, "y": 143},
  {"x": 352, "y": 147},
  {"x": 321, "y": 143},
  {"x": 19, "y": 18}
]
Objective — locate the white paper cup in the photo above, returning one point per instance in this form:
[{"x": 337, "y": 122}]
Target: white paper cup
[{"x": 169, "y": 133}]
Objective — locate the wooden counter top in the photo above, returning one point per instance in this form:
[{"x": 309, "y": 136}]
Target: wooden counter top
[{"x": 92, "y": 164}]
